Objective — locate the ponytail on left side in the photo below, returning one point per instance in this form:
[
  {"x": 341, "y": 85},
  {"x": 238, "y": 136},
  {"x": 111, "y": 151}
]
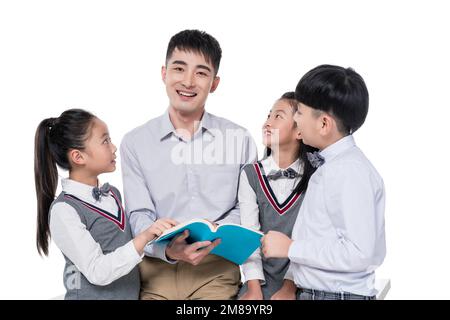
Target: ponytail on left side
[
  {"x": 53, "y": 140},
  {"x": 46, "y": 182}
]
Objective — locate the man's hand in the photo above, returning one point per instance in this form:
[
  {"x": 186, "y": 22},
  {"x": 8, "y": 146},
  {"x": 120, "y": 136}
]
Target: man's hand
[
  {"x": 275, "y": 245},
  {"x": 194, "y": 253}
]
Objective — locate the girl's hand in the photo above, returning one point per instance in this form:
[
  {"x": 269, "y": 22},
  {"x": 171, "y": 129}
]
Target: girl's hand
[
  {"x": 155, "y": 230},
  {"x": 254, "y": 291},
  {"x": 159, "y": 226},
  {"x": 287, "y": 292}
]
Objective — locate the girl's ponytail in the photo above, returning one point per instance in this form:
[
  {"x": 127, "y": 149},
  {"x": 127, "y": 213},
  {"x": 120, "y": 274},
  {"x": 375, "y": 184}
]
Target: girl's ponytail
[
  {"x": 55, "y": 137},
  {"x": 46, "y": 181}
]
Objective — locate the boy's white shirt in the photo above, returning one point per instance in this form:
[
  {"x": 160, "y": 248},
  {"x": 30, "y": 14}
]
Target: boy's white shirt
[
  {"x": 339, "y": 237},
  {"x": 77, "y": 244},
  {"x": 282, "y": 187}
]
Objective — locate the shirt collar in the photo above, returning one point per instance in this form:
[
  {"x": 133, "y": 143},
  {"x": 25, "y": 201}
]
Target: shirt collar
[
  {"x": 167, "y": 128},
  {"x": 272, "y": 165},
  {"x": 338, "y": 147},
  {"x": 78, "y": 189}
]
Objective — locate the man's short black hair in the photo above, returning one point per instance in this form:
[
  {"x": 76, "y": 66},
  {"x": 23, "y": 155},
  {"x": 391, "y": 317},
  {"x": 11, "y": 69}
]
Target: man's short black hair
[
  {"x": 198, "y": 42},
  {"x": 338, "y": 91}
]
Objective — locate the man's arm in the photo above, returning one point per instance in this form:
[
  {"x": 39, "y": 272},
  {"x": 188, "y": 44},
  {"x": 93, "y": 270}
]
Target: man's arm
[
  {"x": 140, "y": 209},
  {"x": 249, "y": 155}
]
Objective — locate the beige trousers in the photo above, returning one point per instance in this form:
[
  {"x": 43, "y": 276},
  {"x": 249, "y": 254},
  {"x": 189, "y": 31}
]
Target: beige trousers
[{"x": 214, "y": 278}]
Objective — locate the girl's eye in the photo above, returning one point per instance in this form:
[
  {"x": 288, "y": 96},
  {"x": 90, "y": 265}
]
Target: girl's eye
[{"x": 107, "y": 140}]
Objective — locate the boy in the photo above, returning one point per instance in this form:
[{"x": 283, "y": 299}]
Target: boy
[
  {"x": 171, "y": 168},
  {"x": 338, "y": 239}
]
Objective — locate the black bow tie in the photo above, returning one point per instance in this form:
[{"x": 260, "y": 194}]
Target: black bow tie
[
  {"x": 102, "y": 191},
  {"x": 288, "y": 173},
  {"x": 315, "y": 158}
]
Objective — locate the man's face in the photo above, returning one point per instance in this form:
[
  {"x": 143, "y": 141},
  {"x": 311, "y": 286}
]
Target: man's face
[{"x": 189, "y": 78}]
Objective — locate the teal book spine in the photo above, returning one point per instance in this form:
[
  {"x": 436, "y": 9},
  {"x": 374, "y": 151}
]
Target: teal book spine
[{"x": 237, "y": 242}]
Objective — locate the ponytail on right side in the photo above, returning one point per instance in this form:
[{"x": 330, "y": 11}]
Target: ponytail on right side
[{"x": 53, "y": 140}]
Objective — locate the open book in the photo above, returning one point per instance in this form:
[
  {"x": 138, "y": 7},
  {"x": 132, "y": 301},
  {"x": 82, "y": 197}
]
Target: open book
[{"x": 237, "y": 242}]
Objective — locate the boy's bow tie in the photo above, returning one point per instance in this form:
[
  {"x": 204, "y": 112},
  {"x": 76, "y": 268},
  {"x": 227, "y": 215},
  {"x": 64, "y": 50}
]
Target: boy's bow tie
[
  {"x": 102, "y": 191},
  {"x": 315, "y": 158}
]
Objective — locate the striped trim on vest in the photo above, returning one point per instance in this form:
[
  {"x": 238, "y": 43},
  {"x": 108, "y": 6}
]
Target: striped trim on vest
[
  {"x": 270, "y": 195},
  {"x": 119, "y": 220}
]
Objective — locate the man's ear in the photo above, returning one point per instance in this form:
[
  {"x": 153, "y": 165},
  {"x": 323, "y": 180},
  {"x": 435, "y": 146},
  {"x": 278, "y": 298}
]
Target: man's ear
[
  {"x": 76, "y": 157},
  {"x": 163, "y": 73},
  {"x": 215, "y": 84}
]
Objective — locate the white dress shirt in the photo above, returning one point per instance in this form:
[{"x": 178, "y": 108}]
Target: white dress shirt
[
  {"x": 339, "y": 237},
  {"x": 77, "y": 244},
  {"x": 166, "y": 175},
  {"x": 282, "y": 187}
]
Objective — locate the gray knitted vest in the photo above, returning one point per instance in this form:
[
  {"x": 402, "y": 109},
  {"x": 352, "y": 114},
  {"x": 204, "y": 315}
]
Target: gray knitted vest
[
  {"x": 110, "y": 232},
  {"x": 273, "y": 216}
]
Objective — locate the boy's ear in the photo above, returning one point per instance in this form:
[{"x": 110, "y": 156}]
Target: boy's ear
[
  {"x": 163, "y": 73},
  {"x": 215, "y": 84},
  {"x": 327, "y": 124},
  {"x": 76, "y": 157},
  {"x": 298, "y": 136}
]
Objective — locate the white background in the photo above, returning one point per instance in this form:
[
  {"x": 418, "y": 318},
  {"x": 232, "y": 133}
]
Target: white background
[{"x": 106, "y": 56}]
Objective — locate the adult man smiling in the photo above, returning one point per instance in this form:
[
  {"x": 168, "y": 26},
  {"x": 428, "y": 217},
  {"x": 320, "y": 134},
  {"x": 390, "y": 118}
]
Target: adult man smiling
[{"x": 174, "y": 166}]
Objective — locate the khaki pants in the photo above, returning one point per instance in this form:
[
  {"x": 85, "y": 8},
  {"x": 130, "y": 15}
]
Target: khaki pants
[{"x": 214, "y": 279}]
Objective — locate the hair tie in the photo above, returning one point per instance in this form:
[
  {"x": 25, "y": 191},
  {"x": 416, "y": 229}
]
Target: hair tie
[{"x": 51, "y": 123}]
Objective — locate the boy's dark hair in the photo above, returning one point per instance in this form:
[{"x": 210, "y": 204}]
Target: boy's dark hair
[
  {"x": 308, "y": 169},
  {"x": 54, "y": 138},
  {"x": 198, "y": 42},
  {"x": 338, "y": 91}
]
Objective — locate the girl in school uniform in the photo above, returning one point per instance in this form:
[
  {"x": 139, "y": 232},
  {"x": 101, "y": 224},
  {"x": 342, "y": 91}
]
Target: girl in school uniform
[
  {"x": 270, "y": 195},
  {"x": 86, "y": 221}
]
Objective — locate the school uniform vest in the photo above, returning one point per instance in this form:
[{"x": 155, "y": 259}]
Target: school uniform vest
[
  {"x": 110, "y": 232},
  {"x": 273, "y": 216}
]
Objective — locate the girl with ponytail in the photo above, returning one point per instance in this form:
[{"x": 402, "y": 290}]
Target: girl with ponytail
[
  {"x": 270, "y": 195},
  {"x": 86, "y": 221}
]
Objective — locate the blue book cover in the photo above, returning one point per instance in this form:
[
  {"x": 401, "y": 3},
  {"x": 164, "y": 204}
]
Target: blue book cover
[{"x": 237, "y": 242}]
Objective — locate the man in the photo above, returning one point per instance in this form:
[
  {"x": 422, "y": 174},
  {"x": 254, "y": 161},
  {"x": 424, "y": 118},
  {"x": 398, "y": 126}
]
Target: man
[{"x": 183, "y": 165}]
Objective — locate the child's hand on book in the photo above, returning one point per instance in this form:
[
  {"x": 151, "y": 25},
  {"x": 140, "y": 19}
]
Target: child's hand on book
[
  {"x": 212, "y": 222},
  {"x": 275, "y": 245},
  {"x": 180, "y": 250},
  {"x": 159, "y": 226}
]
